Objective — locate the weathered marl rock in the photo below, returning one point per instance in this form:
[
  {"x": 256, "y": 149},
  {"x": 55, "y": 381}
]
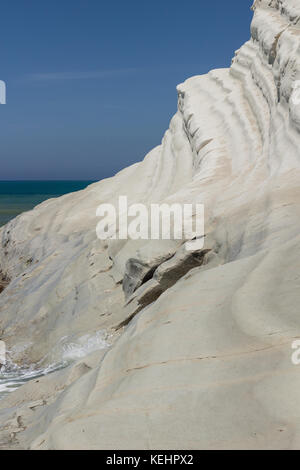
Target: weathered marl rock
[
  {"x": 140, "y": 270},
  {"x": 168, "y": 273},
  {"x": 4, "y": 281},
  {"x": 2, "y": 353},
  {"x": 136, "y": 274},
  {"x": 158, "y": 279},
  {"x": 204, "y": 358}
]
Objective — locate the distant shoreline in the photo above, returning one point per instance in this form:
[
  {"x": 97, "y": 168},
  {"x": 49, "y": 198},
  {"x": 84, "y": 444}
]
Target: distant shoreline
[{"x": 18, "y": 196}]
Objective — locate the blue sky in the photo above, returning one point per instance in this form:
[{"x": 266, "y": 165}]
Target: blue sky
[{"x": 91, "y": 85}]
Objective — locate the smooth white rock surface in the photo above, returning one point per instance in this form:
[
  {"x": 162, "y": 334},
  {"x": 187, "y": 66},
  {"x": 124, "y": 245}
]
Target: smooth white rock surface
[{"x": 208, "y": 363}]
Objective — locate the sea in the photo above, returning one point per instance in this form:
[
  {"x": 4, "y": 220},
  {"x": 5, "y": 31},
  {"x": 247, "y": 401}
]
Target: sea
[{"x": 20, "y": 196}]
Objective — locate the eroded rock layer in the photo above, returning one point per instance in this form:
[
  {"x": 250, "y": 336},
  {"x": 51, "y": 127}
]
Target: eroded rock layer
[{"x": 203, "y": 358}]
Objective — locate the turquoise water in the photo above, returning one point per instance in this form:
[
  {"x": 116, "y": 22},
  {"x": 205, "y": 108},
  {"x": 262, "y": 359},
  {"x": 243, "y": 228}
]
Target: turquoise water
[{"x": 21, "y": 196}]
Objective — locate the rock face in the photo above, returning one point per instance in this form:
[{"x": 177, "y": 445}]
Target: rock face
[
  {"x": 203, "y": 358},
  {"x": 2, "y": 353}
]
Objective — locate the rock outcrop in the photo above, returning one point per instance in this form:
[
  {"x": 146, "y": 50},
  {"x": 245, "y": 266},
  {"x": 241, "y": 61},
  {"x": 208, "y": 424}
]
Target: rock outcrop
[
  {"x": 201, "y": 344},
  {"x": 2, "y": 353}
]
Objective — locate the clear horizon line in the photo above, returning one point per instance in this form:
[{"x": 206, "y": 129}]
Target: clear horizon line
[{"x": 36, "y": 179}]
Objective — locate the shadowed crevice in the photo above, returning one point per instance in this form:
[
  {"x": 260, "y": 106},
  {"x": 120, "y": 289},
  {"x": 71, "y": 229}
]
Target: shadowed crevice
[{"x": 4, "y": 281}]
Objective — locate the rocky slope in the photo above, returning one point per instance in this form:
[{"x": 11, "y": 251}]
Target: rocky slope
[{"x": 200, "y": 349}]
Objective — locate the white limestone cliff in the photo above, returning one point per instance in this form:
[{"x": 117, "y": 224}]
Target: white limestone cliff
[{"x": 200, "y": 353}]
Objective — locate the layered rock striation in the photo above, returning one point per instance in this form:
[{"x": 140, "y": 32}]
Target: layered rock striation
[{"x": 200, "y": 353}]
